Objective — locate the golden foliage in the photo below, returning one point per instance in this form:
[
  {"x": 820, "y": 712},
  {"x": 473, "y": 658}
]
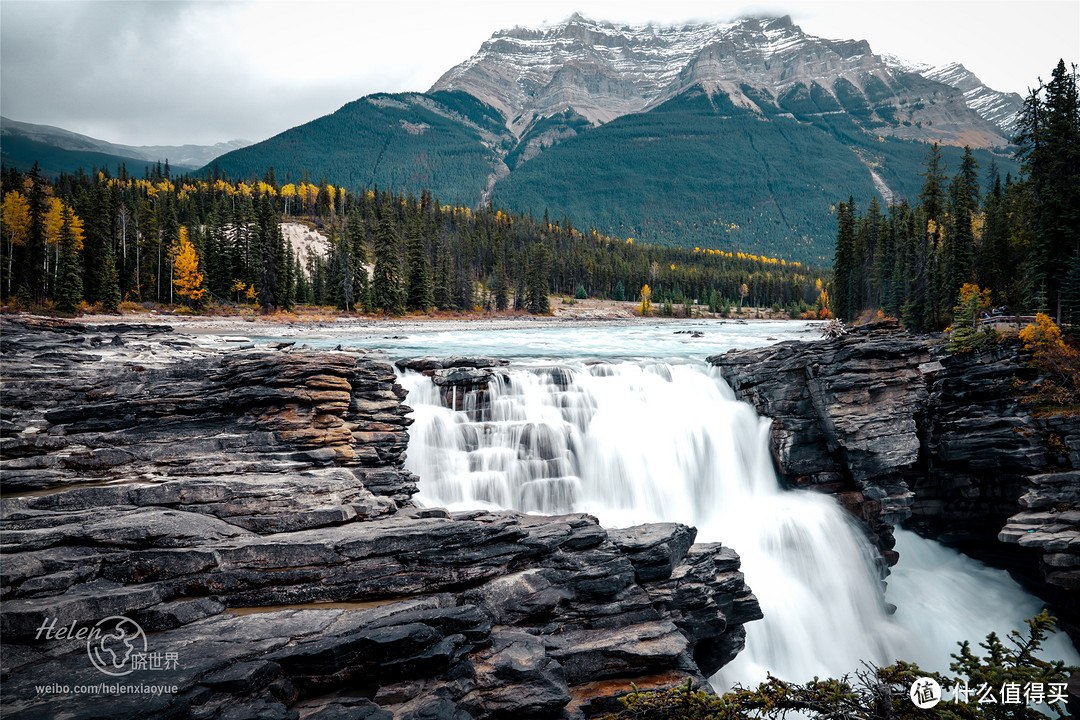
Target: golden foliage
[
  {"x": 1041, "y": 336},
  {"x": 186, "y": 274},
  {"x": 646, "y": 301},
  {"x": 16, "y": 218},
  {"x": 1058, "y": 363},
  {"x": 969, "y": 291}
]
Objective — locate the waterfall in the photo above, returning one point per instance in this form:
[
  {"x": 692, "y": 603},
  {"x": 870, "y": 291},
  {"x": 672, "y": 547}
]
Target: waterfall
[{"x": 650, "y": 441}]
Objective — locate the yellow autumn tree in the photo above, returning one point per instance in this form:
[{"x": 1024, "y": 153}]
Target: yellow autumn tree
[
  {"x": 16, "y": 220},
  {"x": 288, "y": 192},
  {"x": 54, "y": 219},
  {"x": 646, "y": 301},
  {"x": 187, "y": 277}
]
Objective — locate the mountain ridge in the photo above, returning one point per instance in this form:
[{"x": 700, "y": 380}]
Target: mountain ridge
[
  {"x": 183, "y": 157},
  {"x": 601, "y": 70}
]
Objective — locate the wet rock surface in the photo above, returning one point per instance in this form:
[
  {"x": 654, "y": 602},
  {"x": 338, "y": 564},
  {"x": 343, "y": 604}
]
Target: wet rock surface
[
  {"x": 846, "y": 416},
  {"x": 248, "y": 509},
  {"x": 900, "y": 430}
]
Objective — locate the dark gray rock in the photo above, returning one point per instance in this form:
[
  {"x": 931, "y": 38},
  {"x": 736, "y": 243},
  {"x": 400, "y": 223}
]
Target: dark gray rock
[
  {"x": 426, "y": 364},
  {"x": 249, "y": 510},
  {"x": 896, "y": 427},
  {"x": 654, "y": 550}
]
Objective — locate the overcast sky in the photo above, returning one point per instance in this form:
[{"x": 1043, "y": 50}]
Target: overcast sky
[{"x": 142, "y": 72}]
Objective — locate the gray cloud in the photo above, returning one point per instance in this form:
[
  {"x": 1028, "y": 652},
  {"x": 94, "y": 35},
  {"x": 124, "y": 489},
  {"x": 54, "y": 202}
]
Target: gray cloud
[{"x": 145, "y": 72}]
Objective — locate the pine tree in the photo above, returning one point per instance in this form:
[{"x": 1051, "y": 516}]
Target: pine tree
[
  {"x": 502, "y": 286},
  {"x": 537, "y": 279},
  {"x": 34, "y": 279},
  {"x": 110, "y": 286},
  {"x": 388, "y": 288},
  {"x": 932, "y": 197},
  {"x": 69, "y": 275},
  {"x": 421, "y": 286},
  {"x": 270, "y": 250},
  {"x": 843, "y": 294},
  {"x": 960, "y": 243},
  {"x": 288, "y": 291},
  {"x": 442, "y": 294},
  {"x": 995, "y": 255},
  {"x": 519, "y": 293}
]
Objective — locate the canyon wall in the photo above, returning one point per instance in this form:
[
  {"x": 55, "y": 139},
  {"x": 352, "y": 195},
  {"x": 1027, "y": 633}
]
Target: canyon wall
[{"x": 899, "y": 430}]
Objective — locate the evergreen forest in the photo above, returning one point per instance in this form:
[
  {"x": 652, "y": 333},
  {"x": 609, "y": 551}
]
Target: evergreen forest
[
  {"x": 104, "y": 238},
  {"x": 1011, "y": 242}
]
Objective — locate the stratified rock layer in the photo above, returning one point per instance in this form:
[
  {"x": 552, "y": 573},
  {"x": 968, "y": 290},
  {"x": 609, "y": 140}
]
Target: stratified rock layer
[
  {"x": 247, "y": 508},
  {"x": 846, "y": 416},
  {"x": 901, "y": 430}
]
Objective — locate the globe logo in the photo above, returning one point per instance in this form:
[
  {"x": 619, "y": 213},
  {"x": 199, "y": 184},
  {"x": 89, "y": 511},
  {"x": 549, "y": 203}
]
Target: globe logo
[{"x": 111, "y": 648}]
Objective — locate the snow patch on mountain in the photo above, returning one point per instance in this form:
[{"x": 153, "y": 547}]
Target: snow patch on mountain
[{"x": 603, "y": 70}]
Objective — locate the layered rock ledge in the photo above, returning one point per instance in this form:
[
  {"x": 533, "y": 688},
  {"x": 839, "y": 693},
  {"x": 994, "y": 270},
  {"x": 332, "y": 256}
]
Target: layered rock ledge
[
  {"x": 902, "y": 431},
  {"x": 248, "y": 509}
]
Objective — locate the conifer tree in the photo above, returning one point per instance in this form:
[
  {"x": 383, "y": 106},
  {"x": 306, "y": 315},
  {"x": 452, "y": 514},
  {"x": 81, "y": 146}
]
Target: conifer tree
[
  {"x": 442, "y": 293},
  {"x": 34, "y": 282},
  {"x": 1050, "y": 148},
  {"x": 69, "y": 274},
  {"x": 270, "y": 245},
  {"x": 519, "y": 293},
  {"x": 844, "y": 295},
  {"x": 537, "y": 280},
  {"x": 502, "y": 285},
  {"x": 421, "y": 287},
  {"x": 932, "y": 197},
  {"x": 961, "y": 241},
  {"x": 110, "y": 286},
  {"x": 288, "y": 291},
  {"x": 388, "y": 288}
]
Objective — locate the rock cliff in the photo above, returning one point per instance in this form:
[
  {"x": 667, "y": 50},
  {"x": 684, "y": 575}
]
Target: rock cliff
[
  {"x": 846, "y": 416},
  {"x": 246, "y": 507},
  {"x": 902, "y": 431}
]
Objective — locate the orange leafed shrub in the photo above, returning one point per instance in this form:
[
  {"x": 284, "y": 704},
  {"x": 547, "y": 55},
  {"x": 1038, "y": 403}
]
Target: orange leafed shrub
[{"x": 1056, "y": 361}]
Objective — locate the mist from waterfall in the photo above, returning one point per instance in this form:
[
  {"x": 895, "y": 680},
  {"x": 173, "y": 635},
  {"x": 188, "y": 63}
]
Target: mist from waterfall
[{"x": 651, "y": 441}]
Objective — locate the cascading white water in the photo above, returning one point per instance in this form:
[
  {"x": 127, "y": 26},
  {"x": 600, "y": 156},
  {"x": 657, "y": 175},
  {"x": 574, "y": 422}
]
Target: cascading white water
[{"x": 636, "y": 442}]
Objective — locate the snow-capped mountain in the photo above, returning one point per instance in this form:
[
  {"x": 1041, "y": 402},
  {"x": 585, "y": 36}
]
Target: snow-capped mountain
[
  {"x": 602, "y": 71},
  {"x": 741, "y": 135},
  {"x": 1000, "y": 108}
]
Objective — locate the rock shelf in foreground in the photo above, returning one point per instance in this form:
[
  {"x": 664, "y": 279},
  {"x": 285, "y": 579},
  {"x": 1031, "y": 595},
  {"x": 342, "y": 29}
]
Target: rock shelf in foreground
[{"x": 249, "y": 510}]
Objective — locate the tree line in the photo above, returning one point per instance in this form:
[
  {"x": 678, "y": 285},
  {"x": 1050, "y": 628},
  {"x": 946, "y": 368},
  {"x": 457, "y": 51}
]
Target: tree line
[
  {"x": 1017, "y": 239},
  {"x": 104, "y": 238}
]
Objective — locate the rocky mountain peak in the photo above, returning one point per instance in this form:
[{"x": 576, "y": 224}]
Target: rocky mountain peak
[{"x": 601, "y": 71}]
